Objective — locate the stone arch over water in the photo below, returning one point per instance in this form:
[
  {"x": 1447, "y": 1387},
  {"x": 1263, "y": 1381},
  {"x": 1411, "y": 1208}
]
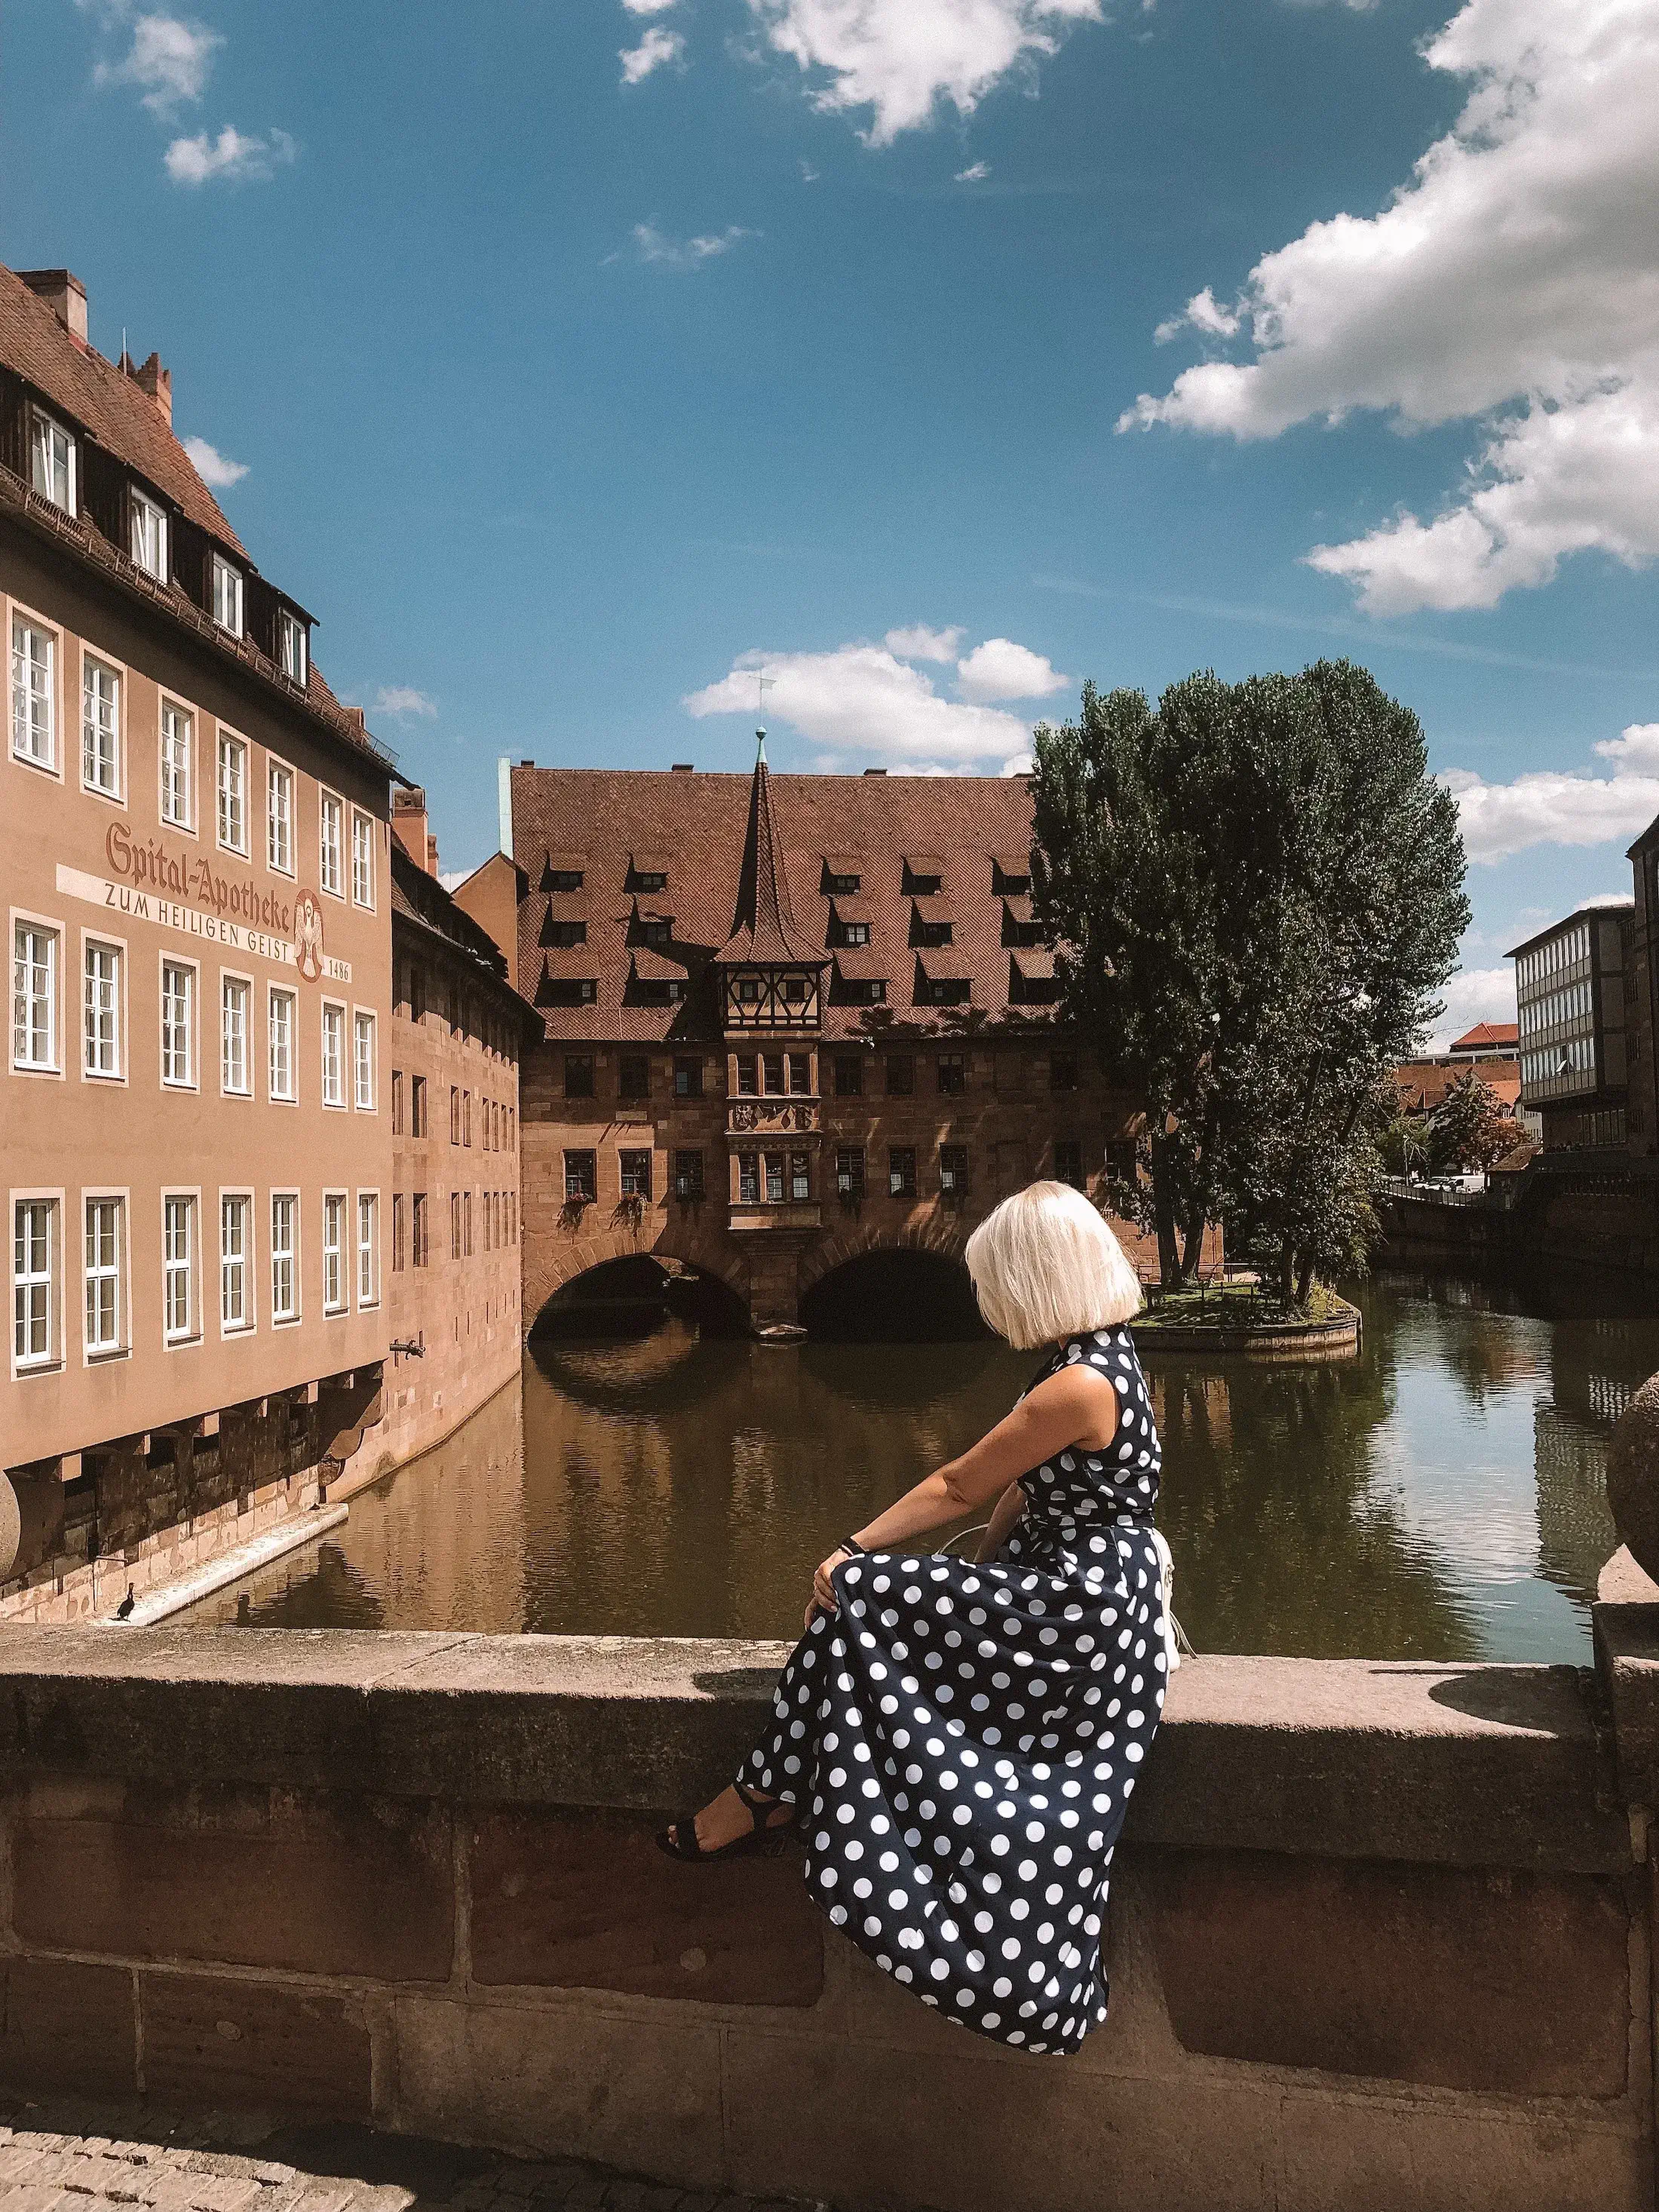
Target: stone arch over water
[
  {"x": 890, "y": 1288},
  {"x": 553, "y": 1267}
]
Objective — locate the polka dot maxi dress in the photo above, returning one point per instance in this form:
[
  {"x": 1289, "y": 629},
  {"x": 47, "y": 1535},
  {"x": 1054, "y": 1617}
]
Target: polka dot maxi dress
[{"x": 963, "y": 1738}]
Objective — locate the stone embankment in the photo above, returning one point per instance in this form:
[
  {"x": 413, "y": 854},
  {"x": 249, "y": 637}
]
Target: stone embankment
[{"x": 1380, "y": 1934}]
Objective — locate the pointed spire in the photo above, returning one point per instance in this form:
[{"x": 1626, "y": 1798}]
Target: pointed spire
[{"x": 763, "y": 927}]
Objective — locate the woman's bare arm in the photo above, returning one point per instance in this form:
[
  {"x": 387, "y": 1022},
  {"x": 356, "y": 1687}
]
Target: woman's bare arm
[{"x": 1076, "y": 1407}]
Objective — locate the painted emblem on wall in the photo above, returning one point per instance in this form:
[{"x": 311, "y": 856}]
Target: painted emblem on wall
[{"x": 308, "y": 936}]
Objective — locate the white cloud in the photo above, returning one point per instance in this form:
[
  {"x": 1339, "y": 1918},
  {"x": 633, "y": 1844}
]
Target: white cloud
[
  {"x": 232, "y": 157},
  {"x": 168, "y": 61},
  {"x": 1201, "y": 312},
  {"x": 901, "y": 59},
  {"x": 1513, "y": 280},
  {"x": 211, "y": 465},
  {"x": 658, "y": 249},
  {"x": 1548, "y": 806},
  {"x": 647, "y": 6},
  {"x": 809, "y": 175},
  {"x": 1636, "y": 748},
  {"x": 999, "y": 669},
  {"x": 657, "y": 48},
  {"x": 920, "y": 643},
  {"x": 974, "y": 175},
  {"x": 863, "y": 699},
  {"x": 1473, "y": 995},
  {"x": 403, "y": 699}
]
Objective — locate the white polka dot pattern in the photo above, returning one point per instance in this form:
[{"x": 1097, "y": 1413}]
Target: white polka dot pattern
[{"x": 962, "y": 1739}]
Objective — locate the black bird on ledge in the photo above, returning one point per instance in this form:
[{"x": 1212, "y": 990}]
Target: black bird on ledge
[{"x": 124, "y": 1611}]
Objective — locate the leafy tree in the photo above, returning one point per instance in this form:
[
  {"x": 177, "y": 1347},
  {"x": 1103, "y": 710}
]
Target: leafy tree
[
  {"x": 1470, "y": 1129},
  {"x": 1404, "y": 1145},
  {"x": 1254, "y": 893}
]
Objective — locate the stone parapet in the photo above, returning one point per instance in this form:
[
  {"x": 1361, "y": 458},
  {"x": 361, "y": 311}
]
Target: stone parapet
[{"x": 1380, "y": 1934}]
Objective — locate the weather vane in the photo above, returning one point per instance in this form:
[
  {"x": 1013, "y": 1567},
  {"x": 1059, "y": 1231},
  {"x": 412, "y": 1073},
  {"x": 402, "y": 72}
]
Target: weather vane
[{"x": 762, "y": 679}]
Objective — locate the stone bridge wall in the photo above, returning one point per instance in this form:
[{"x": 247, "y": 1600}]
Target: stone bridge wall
[{"x": 1380, "y": 1934}]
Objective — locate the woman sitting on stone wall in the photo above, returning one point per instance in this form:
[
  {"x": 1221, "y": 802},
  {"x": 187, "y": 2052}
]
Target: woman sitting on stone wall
[{"x": 959, "y": 1739}]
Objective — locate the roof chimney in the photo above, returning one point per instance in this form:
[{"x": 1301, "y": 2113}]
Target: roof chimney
[
  {"x": 158, "y": 383},
  {"x": 66, "y": 295},
  {"x": 410, "y": 827}
]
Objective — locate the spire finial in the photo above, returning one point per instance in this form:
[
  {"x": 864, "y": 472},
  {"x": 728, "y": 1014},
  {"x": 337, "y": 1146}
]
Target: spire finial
[{"x": 760, "y": 747}]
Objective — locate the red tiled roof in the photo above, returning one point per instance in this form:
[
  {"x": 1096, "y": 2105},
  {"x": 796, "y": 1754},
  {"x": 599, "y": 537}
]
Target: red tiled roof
[
  {"x": 99, "y": 399},
  {"x": 1036, "y": 965},
  {"x": 763, "y": 926},
  {"x": 933, "y": 908},
  {"x": 698, "y": 822},
  {"x": 1423, "y": 1084},
  {"x": 104, "y": 400},
  {"x": 1487, "y": 1036}
]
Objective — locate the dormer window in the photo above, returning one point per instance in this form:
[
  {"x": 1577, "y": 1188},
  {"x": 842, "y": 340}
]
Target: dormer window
[
  {"x": 655, "y": 929},
  {"x": 855, "y": 933},
  {"x": 227, "y": 595},
  {"x": 292, "y": 643},
  {"x": 150, "y": 536},
  {"x": 52, "y": 462},
  {"x": 564, "y": 880},
  {"x": 650, "y": 879}
]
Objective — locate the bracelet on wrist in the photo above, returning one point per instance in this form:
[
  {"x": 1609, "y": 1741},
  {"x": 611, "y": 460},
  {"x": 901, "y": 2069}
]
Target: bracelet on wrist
[{"x": 852, "y": 1544}]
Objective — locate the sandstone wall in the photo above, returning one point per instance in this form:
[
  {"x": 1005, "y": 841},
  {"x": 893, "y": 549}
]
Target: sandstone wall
[{"x": 1380, "y": 1933}]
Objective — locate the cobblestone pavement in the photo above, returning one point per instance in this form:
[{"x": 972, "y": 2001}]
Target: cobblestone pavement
[{"x": 81, "y": 2159}]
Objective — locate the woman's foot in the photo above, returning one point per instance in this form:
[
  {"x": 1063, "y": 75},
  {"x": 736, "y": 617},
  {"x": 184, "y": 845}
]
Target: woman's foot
[{"x": 728, "y": 1817}]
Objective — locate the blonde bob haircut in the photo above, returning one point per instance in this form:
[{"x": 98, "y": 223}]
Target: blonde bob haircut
[{"x": 1045, "y": 1267}]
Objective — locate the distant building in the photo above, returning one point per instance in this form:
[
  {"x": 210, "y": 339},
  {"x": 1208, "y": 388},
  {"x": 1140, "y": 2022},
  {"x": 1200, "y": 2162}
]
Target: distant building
[
  {"x": 1574, "y": 996},
  {"x": 1422, "y": 1084},
  {"x": 1496, "y": 1040},
  {"x": 1643, "y": 1107},
  {"x": 787, "y": 1020}
]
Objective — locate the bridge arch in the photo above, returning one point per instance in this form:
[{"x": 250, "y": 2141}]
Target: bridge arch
[
  {"x": 552, "y": 1264},
  {"x": 893, "y": 1285}
]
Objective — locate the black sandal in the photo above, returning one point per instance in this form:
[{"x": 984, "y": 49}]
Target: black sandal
[{"x": 680, "y": 1841}]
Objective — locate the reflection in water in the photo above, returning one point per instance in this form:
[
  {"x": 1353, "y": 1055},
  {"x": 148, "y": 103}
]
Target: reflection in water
[{"x": 1439, "y": 1497}]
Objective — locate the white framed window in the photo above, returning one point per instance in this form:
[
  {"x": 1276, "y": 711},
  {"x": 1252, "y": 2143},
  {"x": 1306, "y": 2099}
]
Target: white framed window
[
  {"x": 233, "y": 792},
  {"x": 279, "y": 816},
  {"x": 362, "y": 858},
  {"x": 328, "y": 843},
  {"x": 296, "y": 652},
  {"x": 235, "y": 1303},
  {"x": 283, "y": 1073},
  {"x": 35, "y": 1282},
  {"x": 178, "y": 767},
  {"x": 105, "y": 1250},
  {"x": 362, "y": 1062},
  {"x": 285, "y": 1256},
  {"x": 227, "y": 595},
  {"x": 334, "y": 1220},
  {"x": 101, "y": 726},
  {"x": 150, "y": 536},
  {"x": 177, "y": 1266},
  {"x": 178, "y": 1024},
  {"x": 368, "y": 1248},
  {"x": 33, "y": 693},
  {"x": 333, "y": 1054},
  {"x": 52, "y": 462},
  {"x": 100, "y": 1008},
  {"x": 235, "y": 994},
  {"x": 33, "y": 996}
]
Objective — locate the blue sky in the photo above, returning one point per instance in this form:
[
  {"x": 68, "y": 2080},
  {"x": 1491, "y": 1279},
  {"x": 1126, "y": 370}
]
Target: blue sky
[{"x": 935, "y": 354}]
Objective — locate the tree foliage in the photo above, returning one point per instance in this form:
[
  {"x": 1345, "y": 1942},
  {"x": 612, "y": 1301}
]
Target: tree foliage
[
  {"x": 1471, "y": 1127},
  {"x": 1255, "y": 891}
]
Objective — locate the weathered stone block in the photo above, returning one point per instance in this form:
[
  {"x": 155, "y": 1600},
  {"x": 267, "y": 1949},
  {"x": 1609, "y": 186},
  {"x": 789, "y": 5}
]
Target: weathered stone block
[
  {"x": 987, "y": 2130},
  {"x": 66, "y": 2026},
  {"x": 342, "y": 1889},
  {"x": 213, "y": 2043},
  {"x": 1424, "y": 1974},
  {"x": 586, "y": 1900},
  {"x": 568, "y": 2078}
]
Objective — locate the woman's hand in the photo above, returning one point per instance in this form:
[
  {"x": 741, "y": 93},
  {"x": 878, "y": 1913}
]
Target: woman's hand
[{"x": 822, "y": 1598}]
